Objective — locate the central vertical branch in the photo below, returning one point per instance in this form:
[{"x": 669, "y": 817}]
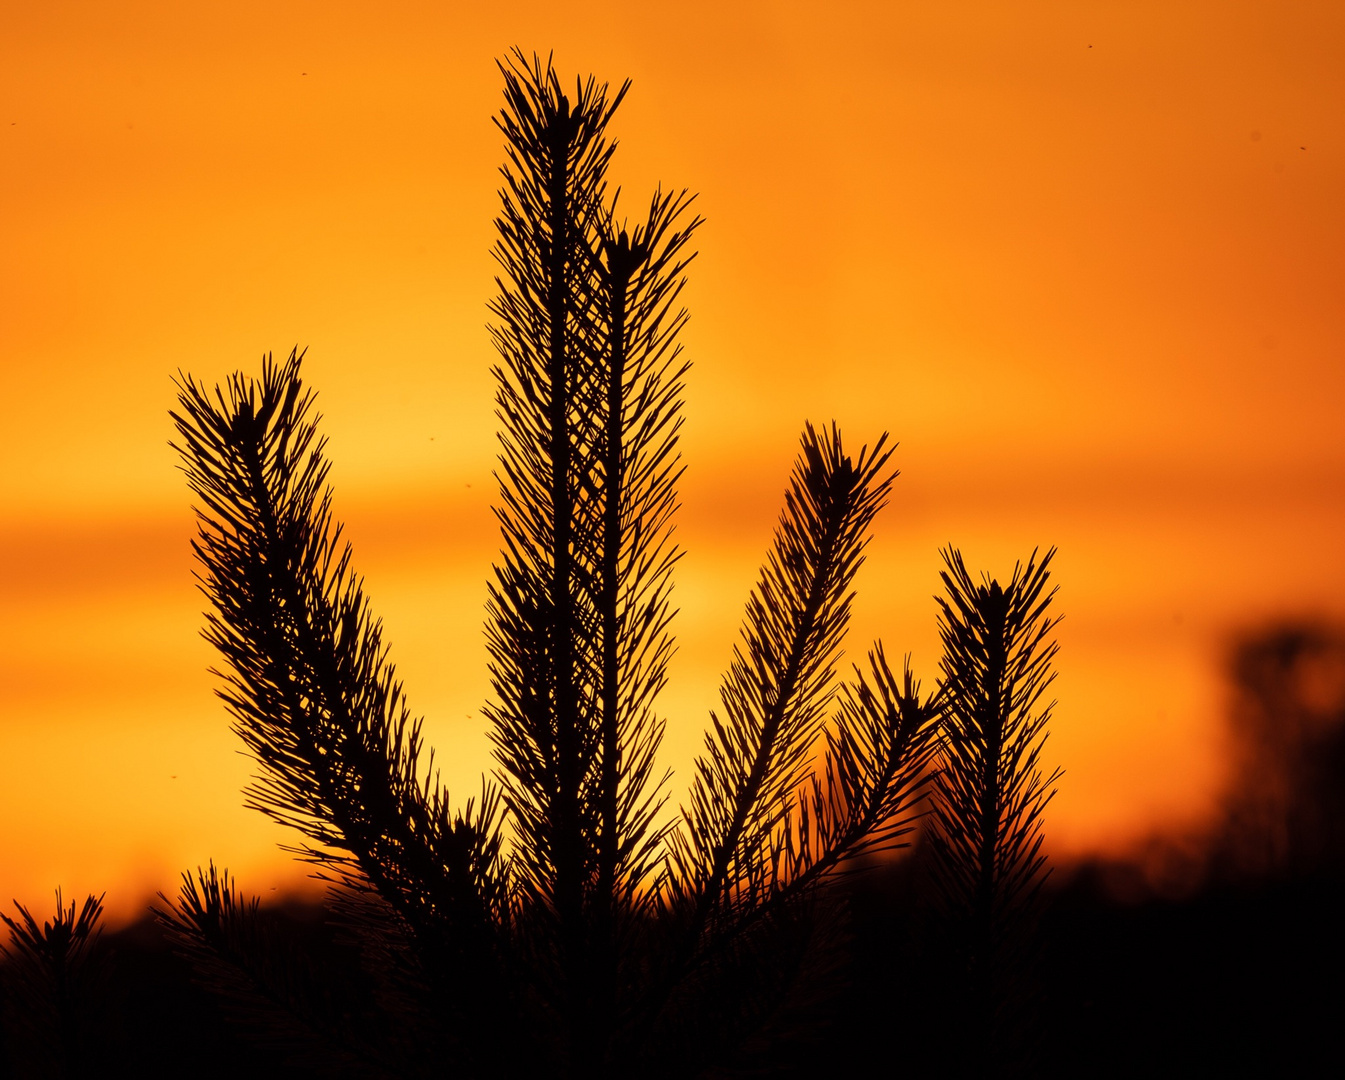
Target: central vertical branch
[
  {"x": 620, "y": 266},
  {"x": 619, "y": 272},
  {"x": 569, "y": 768},
  {"x": 589, "y": 394}
]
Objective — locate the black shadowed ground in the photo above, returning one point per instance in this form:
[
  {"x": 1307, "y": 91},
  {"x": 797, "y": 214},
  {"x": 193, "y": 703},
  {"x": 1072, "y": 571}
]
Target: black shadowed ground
[{"x": 1237, "y": 975}]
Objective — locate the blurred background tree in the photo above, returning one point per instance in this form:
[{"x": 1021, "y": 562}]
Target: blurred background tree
[{"x": 1286, "y": 795}]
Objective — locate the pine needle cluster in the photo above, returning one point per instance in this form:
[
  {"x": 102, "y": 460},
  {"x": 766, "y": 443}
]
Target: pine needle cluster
[
  {"x": 566, "y": 918},
  {"x": 51, "y": 989},
  {"x": 991, "y": 792}
]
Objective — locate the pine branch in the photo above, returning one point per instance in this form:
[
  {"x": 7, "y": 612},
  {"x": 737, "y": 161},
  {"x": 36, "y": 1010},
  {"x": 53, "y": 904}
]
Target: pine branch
[
  {"x": 873, "y": 781},
  {"x": 641, "y": 276},
  {"x": 543, "y": 631},
  {"x": 778, "y": 687},
  {"x": 991, "y": 793},
  {"x": 308, "y": 682},
  {"x": 590, "y": 396}
]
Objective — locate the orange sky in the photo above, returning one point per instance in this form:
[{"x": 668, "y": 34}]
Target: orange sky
[{"x": 1083, "y": 261}]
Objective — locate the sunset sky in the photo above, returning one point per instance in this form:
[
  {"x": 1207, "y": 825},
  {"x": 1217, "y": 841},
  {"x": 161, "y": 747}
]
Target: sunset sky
[{"x": 1083, "y": 261}]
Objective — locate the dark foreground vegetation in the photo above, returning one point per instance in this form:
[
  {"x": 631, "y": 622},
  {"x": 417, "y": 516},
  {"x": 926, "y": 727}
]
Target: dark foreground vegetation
[{"x": 1237, "y": 976}]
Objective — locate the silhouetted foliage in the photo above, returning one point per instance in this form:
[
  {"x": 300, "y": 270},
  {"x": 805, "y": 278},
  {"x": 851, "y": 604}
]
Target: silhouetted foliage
[
  {"x": 990, "y": 792},
  {"x": 52, "y": 989},
  {"x": 560, "y": 920},
  {"x": 266, "y": 984}
]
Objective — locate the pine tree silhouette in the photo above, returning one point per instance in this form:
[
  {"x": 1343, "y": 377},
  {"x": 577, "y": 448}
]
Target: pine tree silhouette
[{"x": 561, "y": 920}]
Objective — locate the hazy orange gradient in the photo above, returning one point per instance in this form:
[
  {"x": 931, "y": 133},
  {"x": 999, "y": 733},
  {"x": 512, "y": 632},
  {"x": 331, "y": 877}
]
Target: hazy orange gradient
[{"x": 1084, "y": 261}]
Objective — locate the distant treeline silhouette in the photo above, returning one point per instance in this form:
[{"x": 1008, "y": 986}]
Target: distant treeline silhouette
[{"x": 565, "y": 920}]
